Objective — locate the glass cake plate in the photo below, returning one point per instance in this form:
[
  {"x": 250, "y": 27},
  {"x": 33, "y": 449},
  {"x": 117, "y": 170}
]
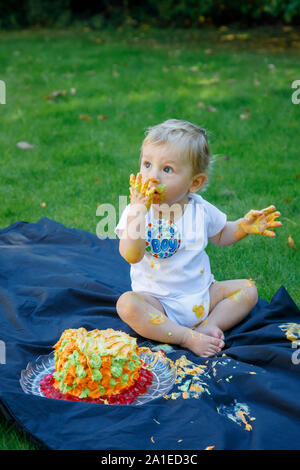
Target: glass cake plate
[{"x": 163, "y": 370}]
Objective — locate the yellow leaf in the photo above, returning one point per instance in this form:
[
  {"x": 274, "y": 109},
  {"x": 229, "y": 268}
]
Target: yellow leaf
[
  {"x": 85, "y": 117},
  {"x": 290, "y": 243}
]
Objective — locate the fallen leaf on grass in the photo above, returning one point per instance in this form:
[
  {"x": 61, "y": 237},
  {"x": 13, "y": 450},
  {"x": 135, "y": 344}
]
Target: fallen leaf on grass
[
  {"x": 211, "y": 109},
  {"x": 228, "y": 37},
  {"x": 24, "y": 145},
  {"x": 101, "y": 117},
  {"x": 290, "y": 243},
  {"x": 85, "y": 117},
  {"x": 246, "y": 114},
  {"x": 56, "y": 94}
]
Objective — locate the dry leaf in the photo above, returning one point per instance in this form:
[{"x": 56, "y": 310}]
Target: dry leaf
[
  {"x": 43, "y": 204},
  {"x": 56, "y": 94},
  {"x": 24, "y": 145},
  {"x": 228, "y": 37},
  {"x": 101, "y": 117},
  {"x": 246, "y": 114},
  {"x": 85, "y": 117},
  {"x": 290, "y": 243},
  {"x": 211, "y": 109}
]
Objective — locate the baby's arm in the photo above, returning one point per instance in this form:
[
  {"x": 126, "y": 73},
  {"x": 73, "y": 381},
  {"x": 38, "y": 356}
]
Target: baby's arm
[
  {"x": 132, "y": 247},
  {"x": 253, "y": 223}
]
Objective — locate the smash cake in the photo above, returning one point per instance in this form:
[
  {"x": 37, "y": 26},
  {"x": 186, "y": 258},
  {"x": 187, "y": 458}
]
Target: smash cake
[{"x": 98, "y": 366}]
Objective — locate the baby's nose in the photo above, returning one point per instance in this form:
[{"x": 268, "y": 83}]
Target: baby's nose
[{"x": 154, "y": 174}]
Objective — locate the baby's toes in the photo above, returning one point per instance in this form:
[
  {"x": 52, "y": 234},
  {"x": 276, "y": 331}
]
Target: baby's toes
[
  {"x": 219, "y": 343},
  {"x": 217, "y": 333}
]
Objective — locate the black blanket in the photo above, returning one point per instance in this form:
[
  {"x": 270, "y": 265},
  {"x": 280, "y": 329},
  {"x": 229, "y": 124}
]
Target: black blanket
[{"x": 53, "y": 278}]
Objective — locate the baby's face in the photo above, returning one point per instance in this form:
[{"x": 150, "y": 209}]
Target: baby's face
[{"x": 165, "y": 163}]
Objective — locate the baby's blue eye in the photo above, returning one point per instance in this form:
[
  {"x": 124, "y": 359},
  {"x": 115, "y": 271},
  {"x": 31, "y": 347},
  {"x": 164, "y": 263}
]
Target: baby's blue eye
[
  {"x": 167, "y": 168},
  {"x": 147, "y": 165}
]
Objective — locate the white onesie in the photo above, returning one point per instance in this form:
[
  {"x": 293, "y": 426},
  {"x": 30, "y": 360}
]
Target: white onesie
[{"x": 176, "y": 269}]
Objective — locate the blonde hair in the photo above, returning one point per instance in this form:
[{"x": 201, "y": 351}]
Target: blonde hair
[{"x": 190, "y": 138}]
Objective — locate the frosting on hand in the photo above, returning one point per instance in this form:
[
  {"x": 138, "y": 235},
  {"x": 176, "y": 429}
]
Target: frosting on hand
[
  {"x": 145, "y": 192},
  {"x": 258, "y": 222}
]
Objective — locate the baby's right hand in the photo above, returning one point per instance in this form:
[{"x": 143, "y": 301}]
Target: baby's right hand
[{"x": 143, "y": 192}]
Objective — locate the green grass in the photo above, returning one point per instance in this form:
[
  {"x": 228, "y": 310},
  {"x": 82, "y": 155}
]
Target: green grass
[{"x": 138, "y": 78}]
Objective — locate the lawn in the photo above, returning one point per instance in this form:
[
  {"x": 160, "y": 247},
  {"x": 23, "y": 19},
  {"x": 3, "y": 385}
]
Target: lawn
[{"x": 110, "y": 86}]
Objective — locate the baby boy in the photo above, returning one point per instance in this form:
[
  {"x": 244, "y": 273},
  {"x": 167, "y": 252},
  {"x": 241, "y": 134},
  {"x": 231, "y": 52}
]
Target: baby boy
[{"x": 163, "y": 235}]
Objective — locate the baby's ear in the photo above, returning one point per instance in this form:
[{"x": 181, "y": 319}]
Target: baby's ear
[{"x": 197, "y": 182}]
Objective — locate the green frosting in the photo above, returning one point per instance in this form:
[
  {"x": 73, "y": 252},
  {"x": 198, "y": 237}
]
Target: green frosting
[
  {"x": 97, "y": 376},
  {"x": 131, "y": 365},
  {"x": 135, "y": 357},
  {"x": 85, "y": 393},
  {"x": 117, "y": 365},
  {"x": 75, "y": 357},
  {"x": 63, "y": 387},
  {"x": 112, "y": 382},
  {"x": 124, "y": 379},
  {"x": 80, "y": 372},
  {"x": 95, "y": 360}
]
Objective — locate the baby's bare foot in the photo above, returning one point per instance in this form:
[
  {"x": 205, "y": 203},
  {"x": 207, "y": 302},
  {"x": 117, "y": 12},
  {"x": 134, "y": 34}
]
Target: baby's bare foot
[
  {"x": 202, "y": 344},
  {"x": 211, "y": 330}
]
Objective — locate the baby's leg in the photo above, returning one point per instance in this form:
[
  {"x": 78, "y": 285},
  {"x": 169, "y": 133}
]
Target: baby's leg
[
  {"x": 230, "y": 302},
  {"x": 145, "y": 315}
]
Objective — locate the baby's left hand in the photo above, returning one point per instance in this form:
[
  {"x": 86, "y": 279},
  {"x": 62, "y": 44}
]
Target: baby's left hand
[{"x": 257, "y": 222}]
